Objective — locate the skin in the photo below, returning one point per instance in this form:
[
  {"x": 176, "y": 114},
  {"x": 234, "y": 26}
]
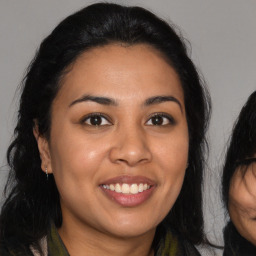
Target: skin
[
  {"x": 242, "y": 202},
  {"x": 81, "y": 156}
]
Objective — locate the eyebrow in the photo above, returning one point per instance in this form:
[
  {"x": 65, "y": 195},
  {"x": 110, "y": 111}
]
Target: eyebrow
[
  {"x": 246, "y": 161},
  {"x": 97, "y": 99},
  {"x": 112, "y": 102},
  {"x": 161, "y": 99}
]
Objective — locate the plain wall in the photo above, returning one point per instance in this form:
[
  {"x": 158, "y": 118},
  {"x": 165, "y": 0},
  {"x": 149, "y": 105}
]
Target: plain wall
[{"x": 223, "y": 40}]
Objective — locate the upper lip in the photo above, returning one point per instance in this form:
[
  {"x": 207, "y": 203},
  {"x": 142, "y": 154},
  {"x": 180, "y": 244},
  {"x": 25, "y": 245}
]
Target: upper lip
[{"x": 128, "y": 180}]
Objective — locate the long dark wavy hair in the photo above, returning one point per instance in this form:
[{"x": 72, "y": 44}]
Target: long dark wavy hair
[
  {"x": 241, "y": 153},
  {"x": 33, "y": 201}
]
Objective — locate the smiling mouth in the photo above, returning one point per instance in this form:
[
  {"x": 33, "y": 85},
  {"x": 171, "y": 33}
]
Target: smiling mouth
[
  {"x": 128, "y": 191},
  {"x": 125, "y": 188}
]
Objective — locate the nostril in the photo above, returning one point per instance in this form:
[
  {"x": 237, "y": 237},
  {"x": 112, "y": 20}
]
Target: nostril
[{"x": 130, "y": 156}]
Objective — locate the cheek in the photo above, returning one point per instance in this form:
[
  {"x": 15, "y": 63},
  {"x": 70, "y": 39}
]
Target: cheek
[
  {"x": 172, "y": 160},
  {"x": 172, "y": 155},
  {"x": 74, "y": 160},
  {"x": 76, "y": 168}
]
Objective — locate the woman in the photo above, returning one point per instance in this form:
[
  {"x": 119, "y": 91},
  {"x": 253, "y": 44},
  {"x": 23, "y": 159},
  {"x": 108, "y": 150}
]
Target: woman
[
  {"x": 108, "y": 151},
  {"x": 239, "y": 180}
]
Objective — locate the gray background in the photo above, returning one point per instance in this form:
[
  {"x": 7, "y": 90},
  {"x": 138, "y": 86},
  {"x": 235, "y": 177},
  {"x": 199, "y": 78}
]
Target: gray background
[{"x": 222, "y": 34}]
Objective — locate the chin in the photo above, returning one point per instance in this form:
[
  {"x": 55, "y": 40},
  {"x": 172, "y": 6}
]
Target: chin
[
  {"x": 129, "y": 230},
  {"x": 132, "y": 232}
]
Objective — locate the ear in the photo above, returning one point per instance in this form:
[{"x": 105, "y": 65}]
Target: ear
[{"x": 44, "y": 151}]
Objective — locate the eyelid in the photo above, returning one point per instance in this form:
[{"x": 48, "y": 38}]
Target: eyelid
[{"x": 163, "y": 115}]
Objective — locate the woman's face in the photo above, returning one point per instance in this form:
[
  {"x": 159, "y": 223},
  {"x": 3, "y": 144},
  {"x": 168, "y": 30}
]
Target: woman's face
[
  {"x": 242, "y": 202},
  {"x": 118, "y": 145}
]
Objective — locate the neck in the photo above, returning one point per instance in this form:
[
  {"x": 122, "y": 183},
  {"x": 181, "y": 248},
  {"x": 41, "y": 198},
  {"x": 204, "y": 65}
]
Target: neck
[{"x": 81, "y": 238}]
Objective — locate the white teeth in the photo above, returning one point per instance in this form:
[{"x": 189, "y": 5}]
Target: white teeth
[
  {"x": 127, "y": 188},
  {"x": 134, "y": 189},
  {"x": 141, "y": 187},
  {"x": 118, "y": 188}
]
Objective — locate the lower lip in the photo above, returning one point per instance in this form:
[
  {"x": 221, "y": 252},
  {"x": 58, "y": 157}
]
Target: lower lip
[{"x": 129, "y": 200}]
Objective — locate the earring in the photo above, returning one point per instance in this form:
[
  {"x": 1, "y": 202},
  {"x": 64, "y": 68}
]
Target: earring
[{"x": 46, "y": 171}]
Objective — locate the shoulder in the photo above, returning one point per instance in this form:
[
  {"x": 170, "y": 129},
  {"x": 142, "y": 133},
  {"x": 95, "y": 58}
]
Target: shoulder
[
  {"x": 208, "y": 250},
  {"x": 174, "y": 244}
]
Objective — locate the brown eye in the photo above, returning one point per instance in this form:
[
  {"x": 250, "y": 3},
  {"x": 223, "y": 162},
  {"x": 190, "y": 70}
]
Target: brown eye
[
  {"x": 157, "y": 120},
  {"x": 96, "y": 120},
  {"x": 160, "y": 120}
]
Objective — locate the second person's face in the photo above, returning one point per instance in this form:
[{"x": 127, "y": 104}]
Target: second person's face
[{"x": 242, "y": 201}]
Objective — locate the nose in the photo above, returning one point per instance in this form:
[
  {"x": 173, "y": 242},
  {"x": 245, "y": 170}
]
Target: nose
[{"x": 131, "y": 147}]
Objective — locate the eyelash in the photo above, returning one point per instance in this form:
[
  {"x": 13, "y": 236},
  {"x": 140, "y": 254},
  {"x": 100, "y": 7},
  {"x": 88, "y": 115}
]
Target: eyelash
[{"x": 170, "y": 119}]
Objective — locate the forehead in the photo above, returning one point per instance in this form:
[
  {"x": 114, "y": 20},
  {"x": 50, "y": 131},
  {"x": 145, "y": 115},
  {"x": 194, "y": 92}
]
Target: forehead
[{"x": 124, "y": 70}]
